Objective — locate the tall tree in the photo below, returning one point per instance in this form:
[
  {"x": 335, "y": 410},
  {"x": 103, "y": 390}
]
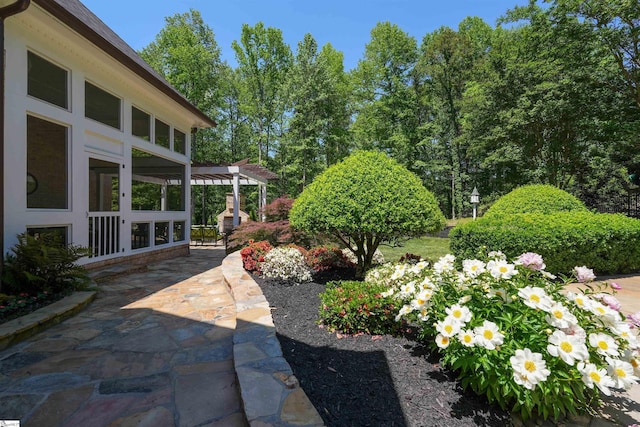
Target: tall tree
[
  {"x": 384, "y": 97},
  {"x": 264, "y": 60},
  {"x": 186, "y": 54}
]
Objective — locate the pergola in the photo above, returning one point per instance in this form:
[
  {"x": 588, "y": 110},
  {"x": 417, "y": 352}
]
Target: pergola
[{"x": 236, "y": 174}]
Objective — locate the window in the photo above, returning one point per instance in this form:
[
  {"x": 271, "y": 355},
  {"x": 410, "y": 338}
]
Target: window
[
  {"x": 163, "y": 132},
  {"x": 140, "y": 124},
  {"x": 178, "y": 231},
  {"x": 179, "y": 141},
  {"x": 139, "y": 235},
  {"x": 47, "y": 81},
  {"x": 157, "y": 184},
  {"x": 161, "y": 233},
  {"x": 62, "y": 232},
  {"x": 101, "y": 106},
  {"x": 47, "y": 165},
  {"x": 104, "y": 186}
]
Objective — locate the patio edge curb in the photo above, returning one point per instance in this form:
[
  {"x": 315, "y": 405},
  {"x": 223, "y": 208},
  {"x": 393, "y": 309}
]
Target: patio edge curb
[
  {"x": 19, "y": 329},
  {"x": 270, "y": 393}
]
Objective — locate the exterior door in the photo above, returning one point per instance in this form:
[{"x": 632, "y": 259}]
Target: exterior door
[{"x": 104, "y": 207}]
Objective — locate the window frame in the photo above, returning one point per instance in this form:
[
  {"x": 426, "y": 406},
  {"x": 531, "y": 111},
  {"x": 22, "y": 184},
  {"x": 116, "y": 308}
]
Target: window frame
[
  {"x": 120, "y": 105},
  {"x": 67, "y": 71}
]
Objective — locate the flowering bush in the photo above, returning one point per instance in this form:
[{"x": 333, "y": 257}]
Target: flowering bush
[
  {"x": 356, "y": 307},
  {"x": 286, "y": 263},
  {"x": 253, "y": 255},
  {"x": 378, "y": 257},
  {"x": 514, "y": 334},
  {"x": 324, "y": 258}
]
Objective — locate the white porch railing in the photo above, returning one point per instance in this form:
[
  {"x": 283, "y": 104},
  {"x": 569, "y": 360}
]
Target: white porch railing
[{"x": 104, "y": 234}]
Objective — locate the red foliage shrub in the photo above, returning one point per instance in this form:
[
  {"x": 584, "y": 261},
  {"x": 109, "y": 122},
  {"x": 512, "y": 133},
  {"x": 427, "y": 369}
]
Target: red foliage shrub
[
  {"x": 410, "y": 258},
  {"x": 278, "y": 209},
  {"x": 323, "y": 258},
  {"x": 253, "y": 254}
]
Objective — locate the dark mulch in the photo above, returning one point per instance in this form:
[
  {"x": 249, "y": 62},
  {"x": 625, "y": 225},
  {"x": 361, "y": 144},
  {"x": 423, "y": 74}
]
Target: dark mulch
[
  {"x": 20, "y": 305},
  {"x": 365, "y": 380}
]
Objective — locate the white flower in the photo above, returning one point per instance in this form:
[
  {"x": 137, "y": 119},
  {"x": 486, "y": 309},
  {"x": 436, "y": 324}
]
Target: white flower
[
  {"x": 488, "y": 335},
  {"x": 427, "y": 284},
  {"x": 500, "y": 293},
  {"x": 497, "y": 255},
  {"x": 422, "y": 299},
  {"x": 560, "y": 317},
  {"x": 407, "y": 290},
  {"x": 406, "y": 309},
  {"x": 467, "y": 337},
  {"x": 459, "y": 312},
  {"x": 399, "y": 271},
  {"x": 535, "y": 297},
  {"x": 622, "y": 373},
  {"x": 500, "y": 269},
  {"x": 607, "y": 314},
  {"x": 473, "y": 267},
  {"x": 633, "y": 357},
  {"x": 576, "y": 331},
  {"x": 591, "y": 376},
  {"x": 387, "y": 293},
  {"x": 442, "y": 341},
  {"x": 444, "y": 264},
  {"x": 448, "y": 327},
  {"x": 419, "y": 266},
  {"x": 604, "y": 344},
  {"x": 423, "y": 314},
  {"x": 465, "y": 299},
  {"x": 567, "y": 347},
  {"x": 286, "y": 263},
  {"x": 528, "y": 368},
  {"x": 584, "y": 274},
  {"x": 623, "y": 330},
  {"x": 581, "y": 300}
]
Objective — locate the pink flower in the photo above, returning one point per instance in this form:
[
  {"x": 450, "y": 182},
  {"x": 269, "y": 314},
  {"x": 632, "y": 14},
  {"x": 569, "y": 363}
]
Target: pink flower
[
  {"x": 612, "y": 302},
  {"x": 615, "y": 286},
  {"x": 634, "y": 319},
  {"x": 584, "y": 274},
  {"x": 532, "y": 261}
]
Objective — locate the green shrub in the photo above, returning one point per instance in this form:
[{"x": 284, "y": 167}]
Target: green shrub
[
  {"x": 43, "y": 264},
  {"x": 537, "y": 198},
  {"x": 609, "y": 243},
  {"x": 358, "y": 307},
  {"x": 366, "y": 200}
]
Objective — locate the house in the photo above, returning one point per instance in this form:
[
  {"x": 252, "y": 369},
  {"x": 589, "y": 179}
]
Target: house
[{"x": 96, "y": 144}]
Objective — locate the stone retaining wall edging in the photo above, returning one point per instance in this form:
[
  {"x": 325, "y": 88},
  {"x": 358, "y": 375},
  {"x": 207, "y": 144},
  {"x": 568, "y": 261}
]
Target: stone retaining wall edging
[{"x": 270, "y": 393}]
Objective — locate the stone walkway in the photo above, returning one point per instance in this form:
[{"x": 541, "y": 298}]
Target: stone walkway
[{"x": 154, "y": 349}]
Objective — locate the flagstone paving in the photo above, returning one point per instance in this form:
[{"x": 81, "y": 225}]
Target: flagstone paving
[{"x": 155, "y": 348}]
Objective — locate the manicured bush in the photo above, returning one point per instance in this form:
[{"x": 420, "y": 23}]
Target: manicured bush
[
  {"x": 43, "y": 264},
  {"x": 326, "y": 258},
  {"x": 512, "y": 334},
  {"x": 365, "y": 200},
  {"x": 286, "y": 263},
  {"x": 537, "y": 198},
  {"x": 354, "y": 307},
  {"x": 610, "y": 243},
  {"x": 253, "y": 254}
]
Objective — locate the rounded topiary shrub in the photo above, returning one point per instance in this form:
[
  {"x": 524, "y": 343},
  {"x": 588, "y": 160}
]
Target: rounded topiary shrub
[
  {"x": 609, "y": 243},
  {"x": 536, "y": 198}
]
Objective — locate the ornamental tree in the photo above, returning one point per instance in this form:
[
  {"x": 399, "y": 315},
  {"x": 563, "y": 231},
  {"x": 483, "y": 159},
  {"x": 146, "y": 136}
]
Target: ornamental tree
[{"x": 365, "y": 200}]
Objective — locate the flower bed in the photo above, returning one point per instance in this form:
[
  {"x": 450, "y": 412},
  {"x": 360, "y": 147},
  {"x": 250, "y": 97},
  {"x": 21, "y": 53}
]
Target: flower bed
[{"x": 513, "y": 335}]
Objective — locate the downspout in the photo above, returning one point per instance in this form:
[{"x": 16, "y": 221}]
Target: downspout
[{"x": 5, "y": 12}]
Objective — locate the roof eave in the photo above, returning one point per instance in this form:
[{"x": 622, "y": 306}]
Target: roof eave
[{"x": 85, "y": 31}]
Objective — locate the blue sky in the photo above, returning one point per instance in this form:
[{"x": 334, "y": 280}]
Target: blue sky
[{"x": 346, "y": 24}]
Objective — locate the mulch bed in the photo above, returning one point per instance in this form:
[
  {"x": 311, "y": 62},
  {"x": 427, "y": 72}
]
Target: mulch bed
[
  {"x": 364, "y": 380},
  {"x": 21, "y": 305}
]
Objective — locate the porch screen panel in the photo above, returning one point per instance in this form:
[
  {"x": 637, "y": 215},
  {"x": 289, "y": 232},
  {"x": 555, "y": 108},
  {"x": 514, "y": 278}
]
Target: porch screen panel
[
  {"x": 157, "y": 184},
  {"x": 47, "y": 165}
]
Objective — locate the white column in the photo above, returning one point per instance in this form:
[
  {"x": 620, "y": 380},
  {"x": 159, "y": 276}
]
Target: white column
[
  {"x": 163, "y": 197},
  {"x": 236, "y": 199},
  {"x": 263, "y": 201}
]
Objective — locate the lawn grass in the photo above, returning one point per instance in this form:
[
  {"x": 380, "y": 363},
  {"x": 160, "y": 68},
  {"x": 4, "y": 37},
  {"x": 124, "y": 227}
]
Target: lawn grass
[{"x": 427, "y": 247}]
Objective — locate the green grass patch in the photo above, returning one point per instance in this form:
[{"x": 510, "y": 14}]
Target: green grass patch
[{"x": 427, "y": 247}]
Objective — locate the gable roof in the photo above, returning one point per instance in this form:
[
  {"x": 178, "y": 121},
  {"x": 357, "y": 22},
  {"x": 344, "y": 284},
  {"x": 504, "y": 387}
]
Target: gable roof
[{"x": 79, "y": 18}]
